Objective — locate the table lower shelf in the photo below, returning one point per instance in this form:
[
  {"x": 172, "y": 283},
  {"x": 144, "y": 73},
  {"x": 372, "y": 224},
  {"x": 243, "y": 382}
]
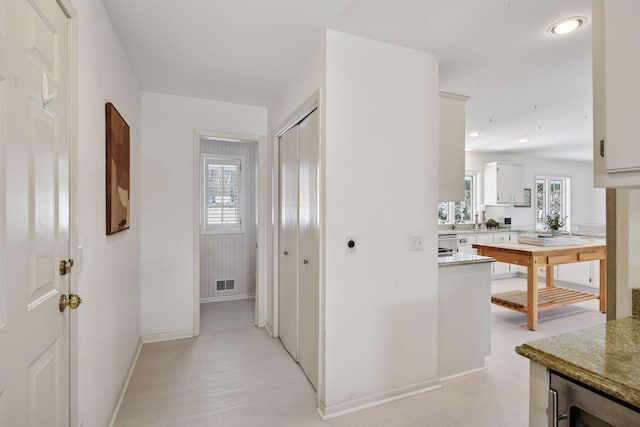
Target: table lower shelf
[{"x": 547, "y": 298}]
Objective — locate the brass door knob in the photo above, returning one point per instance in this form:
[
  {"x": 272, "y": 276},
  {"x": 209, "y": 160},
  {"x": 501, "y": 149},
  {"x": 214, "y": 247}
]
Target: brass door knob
[{"x": 72, "y": 301}]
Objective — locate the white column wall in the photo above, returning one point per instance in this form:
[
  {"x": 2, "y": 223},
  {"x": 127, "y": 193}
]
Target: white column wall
[
  {"x": 381, "y": 187},
  {"x": 109, "y": 284},
  {"x": 168, "y": 124}
]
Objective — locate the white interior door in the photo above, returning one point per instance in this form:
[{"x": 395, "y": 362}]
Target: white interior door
[
  {"x": 309, "y": 246},
  {"x": 34, "y": 137},
  {"x": 288, "y": 243}
]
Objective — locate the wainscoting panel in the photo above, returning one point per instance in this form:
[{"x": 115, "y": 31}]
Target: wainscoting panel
[{"x": 228, "y": 261}]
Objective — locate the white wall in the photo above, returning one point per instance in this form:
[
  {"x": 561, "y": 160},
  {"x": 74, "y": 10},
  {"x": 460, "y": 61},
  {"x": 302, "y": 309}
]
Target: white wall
[
  {"x": 587, "y": 203},
  {"x": 109, "y": 318},
  {"x": 168, "y": 124},
  {"x": 381, "y": 159}
]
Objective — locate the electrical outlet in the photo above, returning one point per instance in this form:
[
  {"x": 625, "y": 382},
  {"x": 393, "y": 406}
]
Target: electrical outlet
[{"x": 416, "y": 242}]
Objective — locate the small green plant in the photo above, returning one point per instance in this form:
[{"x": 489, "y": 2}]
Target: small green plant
[{"x": 554, "y": 222}]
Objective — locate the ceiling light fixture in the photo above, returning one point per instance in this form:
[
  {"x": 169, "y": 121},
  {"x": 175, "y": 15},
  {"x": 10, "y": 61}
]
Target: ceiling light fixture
[
  {"x": 467, "y": 148},
  {"x": 567, "y": 26},
  {"x": 523, "y": 140},
  {"x": 474, "y": 134}
]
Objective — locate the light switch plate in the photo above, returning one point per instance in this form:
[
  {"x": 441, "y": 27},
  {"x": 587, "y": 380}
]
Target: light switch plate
[{"x": 416, "y": 242}]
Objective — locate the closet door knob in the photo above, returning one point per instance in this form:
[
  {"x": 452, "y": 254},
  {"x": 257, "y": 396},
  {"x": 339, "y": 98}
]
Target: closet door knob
[
  {"x": 306, "y": 261},
  {"x": 286, "y": 252}
]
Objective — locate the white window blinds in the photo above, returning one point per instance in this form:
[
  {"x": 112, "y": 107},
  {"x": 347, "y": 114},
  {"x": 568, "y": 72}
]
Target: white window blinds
[{"x": 222, "y": 194}]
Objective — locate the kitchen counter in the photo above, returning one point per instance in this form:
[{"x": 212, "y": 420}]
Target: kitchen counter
[
  {"x": 604, "y": 357},
  {"x": 465, "y": 230},
  {"x": 460, "y": 258}
]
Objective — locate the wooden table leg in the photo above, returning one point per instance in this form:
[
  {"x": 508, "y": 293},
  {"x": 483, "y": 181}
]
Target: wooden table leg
[
  {"x": 550, "y": 278},
  {"x": 532, "y": 297},
  {"x": 603, "y": 285}
]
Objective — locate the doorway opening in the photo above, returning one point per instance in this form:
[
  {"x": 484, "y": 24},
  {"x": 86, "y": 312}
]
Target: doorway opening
[{"x": 226, "y": 171}]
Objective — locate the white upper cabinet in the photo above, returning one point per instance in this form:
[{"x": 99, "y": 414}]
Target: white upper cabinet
[
  {"x": 503, "y": 183},
  {"x": 616, "y": 67},
  {"x": 451, "y": 147}
]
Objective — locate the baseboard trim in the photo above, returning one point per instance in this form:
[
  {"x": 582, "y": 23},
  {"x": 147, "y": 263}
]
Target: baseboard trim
[
  {"x": 167, "y": 336},
  {"x": 329, "y": 412},
  {"x": 125, "y": 385},
  {"x": 462, "y": 374},
  {"x": 227, "y": 298},
  {"x": 266, "y": 326}
]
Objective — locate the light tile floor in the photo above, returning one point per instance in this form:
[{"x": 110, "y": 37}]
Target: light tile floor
[{"x": 235, "y": 374}]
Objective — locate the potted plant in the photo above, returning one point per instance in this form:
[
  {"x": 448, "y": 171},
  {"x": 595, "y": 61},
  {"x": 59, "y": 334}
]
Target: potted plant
[{"x": 555, "y": 223}]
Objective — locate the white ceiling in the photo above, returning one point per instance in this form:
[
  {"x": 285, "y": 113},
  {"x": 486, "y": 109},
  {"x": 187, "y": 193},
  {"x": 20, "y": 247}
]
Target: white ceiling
[{"x": 522, "y": 81}]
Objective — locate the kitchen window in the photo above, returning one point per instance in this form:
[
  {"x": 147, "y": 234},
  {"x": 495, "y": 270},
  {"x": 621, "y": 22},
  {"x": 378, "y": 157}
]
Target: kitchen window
[
  {"x": 221, "y": 194},
  {"x": 460, "y": 211},
  {"x": 552, "y": 196}
]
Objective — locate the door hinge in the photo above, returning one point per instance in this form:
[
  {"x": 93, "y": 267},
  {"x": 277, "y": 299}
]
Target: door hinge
[
  {"x": 602, "y": 148},
  {"x": 65, "y": 266}
]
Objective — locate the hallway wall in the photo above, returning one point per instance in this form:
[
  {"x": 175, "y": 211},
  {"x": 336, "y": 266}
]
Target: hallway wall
[{"x": 109, "y": 284}]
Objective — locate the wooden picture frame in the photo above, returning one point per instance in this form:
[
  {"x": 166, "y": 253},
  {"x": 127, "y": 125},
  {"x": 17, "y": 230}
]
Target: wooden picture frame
[
  {"x": 527, "y": 199},
  {"x": 117, "y": 171}
]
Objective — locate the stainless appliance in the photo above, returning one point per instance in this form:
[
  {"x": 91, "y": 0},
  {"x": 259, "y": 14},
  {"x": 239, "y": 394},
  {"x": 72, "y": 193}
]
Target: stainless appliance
[
  {"x": 447, "y": 244},
  {"x": 573, "y": 404}
]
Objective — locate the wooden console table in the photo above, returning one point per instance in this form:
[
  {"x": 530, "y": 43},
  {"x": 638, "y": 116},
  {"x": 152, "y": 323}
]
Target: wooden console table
[{"x": 532, "y": 257}]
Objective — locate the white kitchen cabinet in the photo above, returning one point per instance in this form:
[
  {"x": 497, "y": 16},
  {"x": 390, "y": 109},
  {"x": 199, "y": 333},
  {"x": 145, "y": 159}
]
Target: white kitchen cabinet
[
  {"x": 451, "y": 146},
  {"x": 464, "y": 243},
  {"x": 499, "y": 270},
  {"x": 503, "y": 183},
  {"x": 616, "y": 66},
  {"x": 578, "y": 273}
]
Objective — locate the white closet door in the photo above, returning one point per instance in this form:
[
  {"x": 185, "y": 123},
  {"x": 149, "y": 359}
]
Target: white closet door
[
  {"x": 288, "y": 243},
  {"x": 309, "y": 241}
]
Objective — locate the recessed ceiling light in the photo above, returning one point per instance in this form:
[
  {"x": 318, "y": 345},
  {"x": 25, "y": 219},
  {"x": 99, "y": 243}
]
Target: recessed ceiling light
[
  {"x": 474, "y": 134},
  {"x": 523, "y": 140},
  {"x": 566, "y": 26}
]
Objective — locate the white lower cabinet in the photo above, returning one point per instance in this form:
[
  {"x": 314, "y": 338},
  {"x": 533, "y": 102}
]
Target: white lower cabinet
[
  {"x": 499, "y": 270},
  {"x": 581, "y": 273},
  {"x": 464, "y": 243}
]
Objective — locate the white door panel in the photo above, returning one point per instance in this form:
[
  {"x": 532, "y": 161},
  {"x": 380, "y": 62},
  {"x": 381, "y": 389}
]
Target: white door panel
[
  {"x": 309, "y": 239},
  {"x": 288, "y": 243},
  {"x": 34, "y": 139}
]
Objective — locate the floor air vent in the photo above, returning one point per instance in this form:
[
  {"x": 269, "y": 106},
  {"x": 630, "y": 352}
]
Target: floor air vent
[{"x": 225, "y": 285}]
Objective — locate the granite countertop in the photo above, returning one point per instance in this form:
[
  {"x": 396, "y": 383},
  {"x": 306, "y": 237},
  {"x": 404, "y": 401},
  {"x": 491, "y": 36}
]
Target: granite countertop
[
  {"x": 606, "y": 357},
  {"x": 460, "y": 258},
  {"x": 465, "y": 230}
]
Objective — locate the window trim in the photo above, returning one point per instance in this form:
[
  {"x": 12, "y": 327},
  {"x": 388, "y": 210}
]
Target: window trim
[
  {"x": 566, "y": 199},
  {"x": 237, "y": 228}
]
